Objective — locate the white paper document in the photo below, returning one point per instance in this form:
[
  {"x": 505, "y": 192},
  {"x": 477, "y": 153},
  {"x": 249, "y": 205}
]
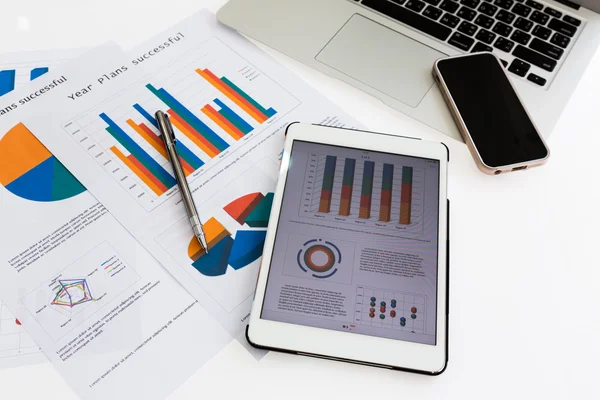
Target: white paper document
[
  {"x": 229, "y": 104},
  {"x": 114, "y": 323},
  {"x": 17, "y": 70}
]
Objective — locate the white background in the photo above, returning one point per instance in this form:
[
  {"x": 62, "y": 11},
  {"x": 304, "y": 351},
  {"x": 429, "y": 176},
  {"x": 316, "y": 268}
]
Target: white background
[{"x": 525, "y": 269}]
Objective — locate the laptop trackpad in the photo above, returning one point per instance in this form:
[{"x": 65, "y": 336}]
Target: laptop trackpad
[{"x": 382, "y": 58}]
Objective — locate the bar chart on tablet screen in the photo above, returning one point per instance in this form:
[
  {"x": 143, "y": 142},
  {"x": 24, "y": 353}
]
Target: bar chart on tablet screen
[
  {"x": 363, "y": 192},
  {"x": 217, "y": 102}
]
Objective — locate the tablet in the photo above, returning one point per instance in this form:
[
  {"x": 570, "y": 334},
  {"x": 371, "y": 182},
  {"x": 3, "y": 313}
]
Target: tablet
[{"x": 355, "y": 259}]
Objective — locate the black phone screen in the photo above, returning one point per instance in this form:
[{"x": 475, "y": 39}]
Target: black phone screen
[{"x": 493, "y": 114}]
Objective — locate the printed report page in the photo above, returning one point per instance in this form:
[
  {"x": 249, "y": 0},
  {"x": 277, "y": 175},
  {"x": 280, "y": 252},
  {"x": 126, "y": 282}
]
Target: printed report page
[
  {"x": 102, "y": 309},
  {"x": 356, "y": 244}
]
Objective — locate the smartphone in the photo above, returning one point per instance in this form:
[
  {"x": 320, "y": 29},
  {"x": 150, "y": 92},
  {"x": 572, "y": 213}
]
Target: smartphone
[{"x": 490, "y": 116}]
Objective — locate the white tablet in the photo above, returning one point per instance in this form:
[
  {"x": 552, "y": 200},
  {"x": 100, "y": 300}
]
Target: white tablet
[{"x": 355, "y": 262}]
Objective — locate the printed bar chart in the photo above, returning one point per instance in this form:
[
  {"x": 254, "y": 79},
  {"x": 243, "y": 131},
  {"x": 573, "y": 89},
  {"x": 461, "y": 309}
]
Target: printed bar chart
[
  {"x": 238, "y": 96},
  {"x": 151, "y": 169},
  {"x": 7, "y": 81},
  {"x": 367, "y": 190},
  {"x": 327, "y": 187},
  {"x": 214, "y": 113},
  {"x": 406, "y": 197},
  {"x": 347, "y": 185},
  {"x": 385, "y": 206}
]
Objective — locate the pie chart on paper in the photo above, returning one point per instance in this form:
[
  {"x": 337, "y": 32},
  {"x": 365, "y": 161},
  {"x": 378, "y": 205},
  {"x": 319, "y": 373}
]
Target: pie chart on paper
[{"x": 28, "y": 170}]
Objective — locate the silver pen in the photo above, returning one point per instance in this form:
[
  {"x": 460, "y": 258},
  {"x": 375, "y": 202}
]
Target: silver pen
[{"x": 168, "y": 135}]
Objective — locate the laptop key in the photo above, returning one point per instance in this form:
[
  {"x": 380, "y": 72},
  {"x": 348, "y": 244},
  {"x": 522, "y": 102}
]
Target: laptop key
[
  {"x": 488, "y": 9},
  {"x": 571, "y": 20},
  {"x": 450, "y": 20},
  {"x": 553, "y": 12},
  {"x": 461, "y": 41},
  {"x": 523, "y": 24},
  {"x": 479, "y": 47},
  {"x": 449, "y": 6},
  {"x": 520, "y": 37},
  {"x": 541, "y": 32},
  {"x": 409, "y": 18},
  {"x": 466, "y": 13},
  {"x": 534, "y": 4},
  {"x": 485, "y": 36},
  {"x": 469, "y": 3},
  {"x": 502, "y": 29},
  {"x": 467, "y": 28},
  {"x": 534, "y": 58},
  {"x": 562, "y": 27},
  {"x": 433, "y": 2},
  {"x": 415, "y": 5},
  {"x": 505, "y": 16},
  {"x": 560, "y": 40},
  {"x": 521, "y": 10},
  {"x": 539, "y": 17},
  {"x": 519, "y": 67},
  {"x": 536, "y": 79},
  {"x": 506, "y": 4},
  {"x": 399, "y": 1},
  {"x": 432, "y": 12},
  {"x": 504, "y": 44},
  {"x": 546, "y": 49},
  {"x": 484, "y": 22}
]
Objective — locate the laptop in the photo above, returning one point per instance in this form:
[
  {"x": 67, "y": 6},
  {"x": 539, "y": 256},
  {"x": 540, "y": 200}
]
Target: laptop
[{"x": 387, "y": 47}]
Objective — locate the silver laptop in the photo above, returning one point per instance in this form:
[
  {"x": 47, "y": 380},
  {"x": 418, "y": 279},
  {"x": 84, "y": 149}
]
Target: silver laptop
[{"x": 387, "y": 47}]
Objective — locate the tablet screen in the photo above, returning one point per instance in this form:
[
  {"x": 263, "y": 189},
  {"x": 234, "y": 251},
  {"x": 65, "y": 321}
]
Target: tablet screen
[{"x": 356, "y": 247}]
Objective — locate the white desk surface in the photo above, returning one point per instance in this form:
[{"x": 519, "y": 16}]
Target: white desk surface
[{"x": 525, "y": 269}]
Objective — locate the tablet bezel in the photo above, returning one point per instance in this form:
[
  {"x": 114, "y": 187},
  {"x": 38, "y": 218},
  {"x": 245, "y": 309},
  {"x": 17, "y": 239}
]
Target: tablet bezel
[{"x": 350, "y": 346}]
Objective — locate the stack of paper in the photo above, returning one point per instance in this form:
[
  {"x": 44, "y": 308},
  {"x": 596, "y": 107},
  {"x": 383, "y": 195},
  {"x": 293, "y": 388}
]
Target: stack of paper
[{"x": 97, "y": 249}]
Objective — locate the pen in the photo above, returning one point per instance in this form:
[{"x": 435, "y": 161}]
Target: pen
[{"x": 168, "y": 135}]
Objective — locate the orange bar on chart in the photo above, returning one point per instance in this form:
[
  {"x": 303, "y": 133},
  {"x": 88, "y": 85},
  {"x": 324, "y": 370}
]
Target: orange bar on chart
[
  {"x": 149, "y": 137},
  {"x": 139, "y": 173},
  {"x": 194, "y": 136},
  {"x": 222, "y": 122},
  {"x": 232, "y": 95}
]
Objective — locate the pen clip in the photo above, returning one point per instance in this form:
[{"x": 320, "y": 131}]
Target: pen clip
[{"x": 165, "y": 126}]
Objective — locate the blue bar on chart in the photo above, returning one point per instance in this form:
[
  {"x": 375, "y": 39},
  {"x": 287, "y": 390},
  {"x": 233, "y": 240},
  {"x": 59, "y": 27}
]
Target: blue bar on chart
[
  {"x": 37, "y": 72},
  {"x": 7, "y": 81},
  {"x": 146, "y": 115}
]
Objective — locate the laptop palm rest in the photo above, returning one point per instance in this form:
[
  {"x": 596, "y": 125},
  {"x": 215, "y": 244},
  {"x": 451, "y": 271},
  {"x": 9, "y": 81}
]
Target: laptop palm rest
[{"x": 382, "y": 58}]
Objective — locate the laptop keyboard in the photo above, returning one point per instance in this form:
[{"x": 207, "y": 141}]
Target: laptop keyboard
[{"x": 530, "y": 38}]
